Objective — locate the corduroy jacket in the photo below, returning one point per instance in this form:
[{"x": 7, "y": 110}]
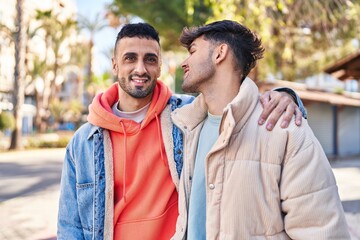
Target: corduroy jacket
[{"x": 260, "y": 184}]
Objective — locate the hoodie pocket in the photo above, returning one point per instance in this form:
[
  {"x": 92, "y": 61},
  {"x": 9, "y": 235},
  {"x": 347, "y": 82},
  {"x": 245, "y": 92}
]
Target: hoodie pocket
[{"x": 158, "y": 228}]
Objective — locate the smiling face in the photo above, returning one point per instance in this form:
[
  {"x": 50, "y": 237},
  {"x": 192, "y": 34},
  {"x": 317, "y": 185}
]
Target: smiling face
[
  {"x": 198, "y": 66},
  {"x": 137, "y": 66}
]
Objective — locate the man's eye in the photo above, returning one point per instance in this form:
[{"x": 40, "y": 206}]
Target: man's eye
[
  {"x": 151, "y": 60},
  {"x": 129, "y": 58}
]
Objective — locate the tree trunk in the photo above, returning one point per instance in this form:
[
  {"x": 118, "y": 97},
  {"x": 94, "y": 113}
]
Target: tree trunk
[
  {"x": 89, "y": 70},
  {"x": 19, "y": 76},
  {"x": 53, "y": 87},
  {"x": 38, "y": 117}
]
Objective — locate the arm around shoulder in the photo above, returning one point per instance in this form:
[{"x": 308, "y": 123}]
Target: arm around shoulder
[{"x": 296, "y": 99}]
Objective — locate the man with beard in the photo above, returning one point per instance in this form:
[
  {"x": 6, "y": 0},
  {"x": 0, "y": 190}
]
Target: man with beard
[
  {"x": 240, "y": 181},
  {"x": 122, "y": 168}
]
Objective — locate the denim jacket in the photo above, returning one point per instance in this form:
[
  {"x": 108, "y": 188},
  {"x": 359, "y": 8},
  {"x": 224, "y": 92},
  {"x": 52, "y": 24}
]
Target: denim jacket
[{"x": 86, "y": 198}]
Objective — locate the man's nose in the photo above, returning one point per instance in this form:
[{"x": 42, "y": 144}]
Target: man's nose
[
  {"x": 183, "y": 64},
  {"x": 140, "y": 68}
]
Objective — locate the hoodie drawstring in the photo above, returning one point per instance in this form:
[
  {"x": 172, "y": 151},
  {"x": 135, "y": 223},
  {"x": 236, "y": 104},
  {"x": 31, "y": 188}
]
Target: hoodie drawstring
[
  {"x": 160, "y": 138},
  {"x": 124, "y": 167}
]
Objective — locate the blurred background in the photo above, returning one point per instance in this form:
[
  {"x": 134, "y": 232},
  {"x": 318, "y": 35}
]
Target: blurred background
[{"x": 55, "y": 55}]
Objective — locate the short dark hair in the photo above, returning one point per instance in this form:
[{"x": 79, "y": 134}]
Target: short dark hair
[
  {"x": 245, "y": 44},
  {"x": 140, "y": 30}
]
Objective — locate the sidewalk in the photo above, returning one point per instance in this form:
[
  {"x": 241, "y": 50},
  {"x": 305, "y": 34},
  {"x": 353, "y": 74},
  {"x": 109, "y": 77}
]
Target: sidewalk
[
  {"x": 33, "y": 215},
  {"x": 347, "y": 174},
  {"x": 29, "y": 193}
]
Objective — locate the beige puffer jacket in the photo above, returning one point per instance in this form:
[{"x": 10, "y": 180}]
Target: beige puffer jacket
[{"x": 260, "y": 184}]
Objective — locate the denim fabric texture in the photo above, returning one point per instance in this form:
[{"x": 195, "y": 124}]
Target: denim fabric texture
[
  {"x": 82, "y": 200},
  {"x": 177, "y": 102}
]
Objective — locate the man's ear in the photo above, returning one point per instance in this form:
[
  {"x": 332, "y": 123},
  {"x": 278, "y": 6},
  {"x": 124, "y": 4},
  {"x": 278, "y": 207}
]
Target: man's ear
[
  {"x": 221, "y": 52},
  {"x": 114, "y": 66}
]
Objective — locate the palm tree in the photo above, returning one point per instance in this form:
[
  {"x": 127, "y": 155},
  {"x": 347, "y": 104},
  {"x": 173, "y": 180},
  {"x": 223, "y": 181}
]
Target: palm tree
[
  {"x": 37, "y": 74},
  {"x": 56, "y": 33},
  {"x": 92, "y": 26},
  {"x": 19, "y": 75}
]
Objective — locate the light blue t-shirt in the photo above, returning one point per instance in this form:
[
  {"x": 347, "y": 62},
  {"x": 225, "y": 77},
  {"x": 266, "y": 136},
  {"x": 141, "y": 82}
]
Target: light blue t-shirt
[{"x": 197, "y": 205}]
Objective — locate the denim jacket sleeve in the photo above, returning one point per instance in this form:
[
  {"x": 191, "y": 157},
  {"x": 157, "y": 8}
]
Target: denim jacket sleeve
[
  {"x": 69, "y": 224},
  {"x": 296, "y": 98},
  {"x": 81, "y": 204}
]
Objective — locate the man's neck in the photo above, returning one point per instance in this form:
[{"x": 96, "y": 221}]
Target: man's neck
[{"x": 220, "y": 94}]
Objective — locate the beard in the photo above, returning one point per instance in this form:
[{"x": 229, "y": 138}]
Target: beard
[
  {"x": 137, "y": 91},
  {"x": 200, "y": 75}
]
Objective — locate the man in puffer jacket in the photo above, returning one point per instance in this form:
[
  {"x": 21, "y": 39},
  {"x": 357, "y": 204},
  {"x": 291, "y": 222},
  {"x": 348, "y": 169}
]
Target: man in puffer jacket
[{"x": 240, "y": 181}]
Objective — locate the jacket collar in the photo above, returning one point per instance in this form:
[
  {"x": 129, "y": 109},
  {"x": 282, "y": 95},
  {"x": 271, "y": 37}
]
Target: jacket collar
[
  {"x": 93, "y": 130},
  {"x": 241, "y": 107},
  {"x": 191, "y": 115}
]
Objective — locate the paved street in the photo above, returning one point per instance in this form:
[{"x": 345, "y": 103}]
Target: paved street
[
  {"x": 29, "y": 192},
  {"x": 347, "y": 173},
  {"x": 29, "y": 184}
]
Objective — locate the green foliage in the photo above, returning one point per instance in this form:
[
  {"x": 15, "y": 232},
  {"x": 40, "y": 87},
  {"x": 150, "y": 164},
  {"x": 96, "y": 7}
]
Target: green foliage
[
  {"x": 7, "y": 32},
  {"x": 57, "y": 31},
  {"x": 39, "y": 68},
  {"x": 43, "y": 143},
  {"x": 92, "y": 26},
  {"x": 7, "y": 121},
  {"x": 179, "y": 76},
  {"x": 99, "y": 82},
  {"x": 297, "y": 35},
  {"x": 75, "y": 109},
  {"x": 66, "y": 111},
  {"x": 57, "y": 109},
  {"x": 301, "y": 37},
  {"x": 79, "y": 57},
  {"x": 168, "y": 17}
]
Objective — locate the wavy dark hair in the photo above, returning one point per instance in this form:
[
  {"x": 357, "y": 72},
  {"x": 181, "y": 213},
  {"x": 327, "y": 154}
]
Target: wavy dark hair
[{"x": 245, "y": 44}]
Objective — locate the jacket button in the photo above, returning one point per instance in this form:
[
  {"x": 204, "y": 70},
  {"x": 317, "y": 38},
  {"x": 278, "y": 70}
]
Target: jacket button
[{"x": 211, "y": 186}]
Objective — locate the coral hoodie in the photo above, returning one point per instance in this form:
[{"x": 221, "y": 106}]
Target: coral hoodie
[{"x": 145, "y": 196}]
